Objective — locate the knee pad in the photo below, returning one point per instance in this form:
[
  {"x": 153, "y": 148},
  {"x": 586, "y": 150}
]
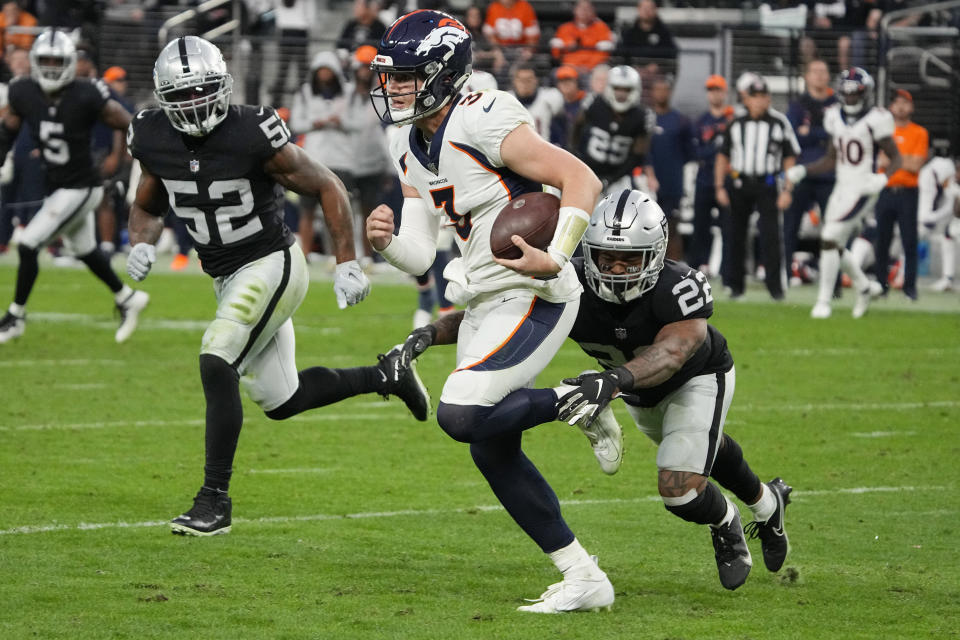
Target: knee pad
[
  {"x": 290, "y": 408},
  {"x": 708, "y": 507},
  {"x": 459, "y": 421}
]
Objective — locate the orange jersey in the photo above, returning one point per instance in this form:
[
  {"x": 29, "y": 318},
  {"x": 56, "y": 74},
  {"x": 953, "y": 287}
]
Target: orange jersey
[
  {"x": 18, "y": 40},
  {"x": 516, "y": 25},
  {"x": 911, "y": 140},
  {"x": 585, "y": 55}
]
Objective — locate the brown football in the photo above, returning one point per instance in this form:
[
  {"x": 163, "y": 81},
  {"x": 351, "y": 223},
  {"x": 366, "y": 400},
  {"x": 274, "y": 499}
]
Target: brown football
[{"x": 532, "y": 216}]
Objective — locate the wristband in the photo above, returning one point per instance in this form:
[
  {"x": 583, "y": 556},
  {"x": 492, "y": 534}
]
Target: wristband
[
  {"x": 625, "y": 379},
  {"x": 571, "y": 224}
]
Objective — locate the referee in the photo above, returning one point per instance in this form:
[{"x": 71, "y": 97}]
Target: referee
[{"x": 759, "y": 144}]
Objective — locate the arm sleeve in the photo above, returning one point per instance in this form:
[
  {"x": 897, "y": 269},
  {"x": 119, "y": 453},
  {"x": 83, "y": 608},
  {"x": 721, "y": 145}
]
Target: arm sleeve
[
  {"x": 491, "y": 127},
  {"x": 414, "y": 248}
]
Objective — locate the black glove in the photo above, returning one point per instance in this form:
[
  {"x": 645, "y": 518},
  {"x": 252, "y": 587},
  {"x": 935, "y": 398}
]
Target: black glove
[
  {"x": 415, "y": 344},
  {"x": 593, "y": 393}
]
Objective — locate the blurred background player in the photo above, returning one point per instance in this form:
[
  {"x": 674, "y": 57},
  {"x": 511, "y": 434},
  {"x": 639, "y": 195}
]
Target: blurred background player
[
  {"x": 60, "y": 111},
  {"x": 858, "y": 131},
  {"x": 612, "y": 133},
  {"x": 545, "y": 104},
  {"x": 938, "y": 186}
]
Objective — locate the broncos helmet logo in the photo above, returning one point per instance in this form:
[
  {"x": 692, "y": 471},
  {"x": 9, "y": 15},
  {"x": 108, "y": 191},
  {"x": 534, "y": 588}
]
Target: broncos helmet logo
[{"x": 449, "y": 35}]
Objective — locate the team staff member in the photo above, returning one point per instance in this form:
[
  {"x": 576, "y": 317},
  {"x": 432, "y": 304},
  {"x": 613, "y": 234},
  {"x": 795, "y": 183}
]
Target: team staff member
[
  {"x": 898, "y": 201},
  {"x": 806, "y": 117},
  {"x": 758, "y": 145},
  {"x": 709, "y": 130}
]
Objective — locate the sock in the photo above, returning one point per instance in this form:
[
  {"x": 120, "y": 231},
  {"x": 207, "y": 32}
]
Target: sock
[
  {"x": 320, "y": 386},
  {"x": 573, "y": 560},
  {"x": 948, "y": 258},
  {"x": 733, "y": 473},
  {"x": 221, "y": 387},
  {"x": 764, "y": 507},
  {"x": 425, "y": 299},
  {"x": 850, "y": 266},
  {"x": 728, "y": 516},
  {"x": 27, "y": 273},
  {"x": 99, "y": 264},
  {"x": 17, "y": 309},
  {"x": 124, "y": 293},
  {"x": 829, "y": 268}
]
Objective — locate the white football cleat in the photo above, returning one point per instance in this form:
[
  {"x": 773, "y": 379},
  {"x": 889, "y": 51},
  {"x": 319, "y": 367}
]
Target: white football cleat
[
  {"x": 943, "y": 284},
  {"x": 11, "y": 327},
  {"x": 591, "y": 593},
  {"x": 865, "y": 297},
  {"x": 606, "y": 439},
  {"x": 130, "y": 313},
  {"x": 820, "y": 310}
]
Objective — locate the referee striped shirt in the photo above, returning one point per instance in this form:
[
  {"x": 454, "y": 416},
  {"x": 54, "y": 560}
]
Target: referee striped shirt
[{"x": 757, "y": 147}]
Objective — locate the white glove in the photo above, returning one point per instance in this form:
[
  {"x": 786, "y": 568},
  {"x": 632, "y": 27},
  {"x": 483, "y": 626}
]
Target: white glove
[
  {"x": 140, "y": 260},
  {"x": 874, "y": 184},
  {"x": 350, "y": 284},
  {"x": 796, "y": 173}
]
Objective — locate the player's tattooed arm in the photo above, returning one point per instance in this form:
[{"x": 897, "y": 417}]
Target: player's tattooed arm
[
  {"x": 297, "y": 171},
  {"x": 448, "y": 328},
  {"x": 9, "y": 128},
  {"x": 673, "y": 346},
  {"x": 115, "y": 116},
  {"x": 149, "y": 207}
]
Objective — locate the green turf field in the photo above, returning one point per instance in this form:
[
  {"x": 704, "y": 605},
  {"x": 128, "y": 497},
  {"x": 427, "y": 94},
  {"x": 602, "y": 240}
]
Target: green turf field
[{"x": 356, "y": 521}]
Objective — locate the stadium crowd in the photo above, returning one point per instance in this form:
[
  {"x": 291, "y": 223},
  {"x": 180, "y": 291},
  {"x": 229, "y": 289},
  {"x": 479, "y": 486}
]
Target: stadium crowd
[{"x": 598, "y": 88}]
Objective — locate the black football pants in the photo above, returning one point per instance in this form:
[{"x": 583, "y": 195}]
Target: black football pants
[{"x": 746, "y": 197}]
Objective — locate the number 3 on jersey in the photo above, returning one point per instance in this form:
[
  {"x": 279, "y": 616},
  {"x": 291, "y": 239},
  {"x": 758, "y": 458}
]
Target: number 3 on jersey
[
  {"x": 443, "y": 199},
  {"x": 692, "y": 293}
]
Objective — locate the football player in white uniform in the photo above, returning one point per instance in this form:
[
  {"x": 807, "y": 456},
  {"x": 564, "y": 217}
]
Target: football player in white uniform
[
  {"x": 543, "y": 103},
  {"x": 462, "y": 160},
  {"x": 859, "y": 132},
  {"x": 939, "y": 191}
]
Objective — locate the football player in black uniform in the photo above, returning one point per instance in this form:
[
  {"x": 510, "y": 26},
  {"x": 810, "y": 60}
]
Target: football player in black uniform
[
  {"x": 223, "y": 170},
  {"x": 61, "y": 111},
  {"x": 644, "y": 319},
  {"x": 612, "y": 131}
]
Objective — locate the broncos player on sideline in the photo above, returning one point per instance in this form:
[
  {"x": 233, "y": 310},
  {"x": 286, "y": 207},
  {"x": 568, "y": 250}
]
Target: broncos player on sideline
[
  {"x": 859, "y": 131},
  {"x": 462, "y": 160},
  {"x": 222, "y": 169},
  {"x": 645, "y": 320},
  {"x": 60, "y": 111}
]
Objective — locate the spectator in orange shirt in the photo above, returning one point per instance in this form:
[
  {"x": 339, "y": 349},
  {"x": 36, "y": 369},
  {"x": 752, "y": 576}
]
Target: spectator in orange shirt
[
  {"x": 511, "y": 23},
  {"x": 898, "y": 201},
  {"x": 585, "y": 41},
  {"x": 12, "y": 15}
]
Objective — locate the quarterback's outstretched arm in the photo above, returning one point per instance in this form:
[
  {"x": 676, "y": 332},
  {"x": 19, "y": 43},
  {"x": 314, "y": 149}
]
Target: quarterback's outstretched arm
[
  {"x": 413, "y": 250},
  {"x": 525, "y": 152},
  {"x": 297, "y": 171}
]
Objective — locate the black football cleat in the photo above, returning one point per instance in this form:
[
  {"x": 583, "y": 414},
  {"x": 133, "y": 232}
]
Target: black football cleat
[
  {"x": 772, "y": 533},
  {"x": 404, "y": 383},
  {"x": 209, "y": 516},
  {"x": 730, "y": 549}
]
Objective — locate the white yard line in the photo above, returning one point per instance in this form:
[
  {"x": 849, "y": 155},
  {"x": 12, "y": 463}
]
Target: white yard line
[
  {"x": 65, "y": 426},
  {"x": 882, "y": 434},
  {"x": 319, "y": 517},
  {"x": 59, "y": 363}
]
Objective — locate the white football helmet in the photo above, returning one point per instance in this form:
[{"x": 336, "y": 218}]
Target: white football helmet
[
  {"x": 622, "y": 77},
  {"x": 627, "y": 221},
  {"x": 53, "y": 60},
  {"x": 192, "y": 85}
]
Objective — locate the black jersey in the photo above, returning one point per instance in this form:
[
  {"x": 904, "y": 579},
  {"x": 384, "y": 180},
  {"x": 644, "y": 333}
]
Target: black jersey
[
  {"x": 62, "y": 125},
  {"x": 217, "y": 185},
  {"x": 613, "y": 333},
  {"x": 607, "y": 138}
]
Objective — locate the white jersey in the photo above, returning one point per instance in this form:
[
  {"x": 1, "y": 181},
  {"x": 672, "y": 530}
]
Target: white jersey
[
  {"x": 856, "y": 142},
  {"x": 938, "y": 190},
  {"x": 462, "y": 180},
  {"x": 547, "y": 104}
]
